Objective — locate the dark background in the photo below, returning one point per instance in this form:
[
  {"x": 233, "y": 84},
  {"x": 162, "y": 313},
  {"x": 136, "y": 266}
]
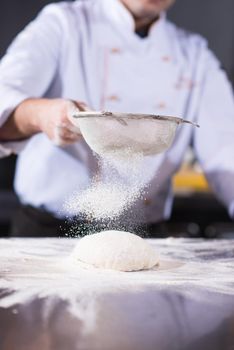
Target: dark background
[{"x": 211, "y": 18}]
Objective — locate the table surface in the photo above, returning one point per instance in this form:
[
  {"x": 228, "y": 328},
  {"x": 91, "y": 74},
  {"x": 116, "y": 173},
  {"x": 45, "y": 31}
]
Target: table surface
[{"x": 48, "y": 303}]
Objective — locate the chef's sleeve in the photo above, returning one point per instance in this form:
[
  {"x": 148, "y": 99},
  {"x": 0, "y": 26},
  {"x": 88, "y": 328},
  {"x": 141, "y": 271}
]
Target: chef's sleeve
[
  {"x": 214, "y": 141},
  {"x": 28, "y": 67}
]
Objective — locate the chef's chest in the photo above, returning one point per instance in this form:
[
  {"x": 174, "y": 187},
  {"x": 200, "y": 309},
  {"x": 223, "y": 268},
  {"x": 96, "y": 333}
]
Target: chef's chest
[{"x": 141, "y": 81}]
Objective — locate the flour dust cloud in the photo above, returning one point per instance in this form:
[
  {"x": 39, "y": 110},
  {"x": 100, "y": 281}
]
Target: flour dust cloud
[{"x": 120, "y": 181}]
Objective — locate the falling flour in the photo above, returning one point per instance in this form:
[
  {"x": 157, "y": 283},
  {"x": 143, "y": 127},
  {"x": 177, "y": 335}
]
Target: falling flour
[{"x": 120, "y": 181}]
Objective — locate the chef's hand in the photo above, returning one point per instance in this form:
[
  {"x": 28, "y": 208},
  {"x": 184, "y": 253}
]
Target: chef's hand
[
  {"x": 56, "y": 123},
  {"x": 50, "y": 116}
]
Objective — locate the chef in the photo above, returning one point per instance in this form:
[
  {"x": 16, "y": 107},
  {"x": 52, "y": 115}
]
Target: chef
[{"x": 114, "y": 55}]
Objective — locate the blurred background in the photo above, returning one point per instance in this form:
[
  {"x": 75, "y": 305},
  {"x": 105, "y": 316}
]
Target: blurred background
[{"x": 194, "y": 218}]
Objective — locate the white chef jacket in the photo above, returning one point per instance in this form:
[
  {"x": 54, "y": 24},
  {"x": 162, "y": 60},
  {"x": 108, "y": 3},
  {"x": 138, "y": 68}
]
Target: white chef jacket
[{"x": 88, "y": 51}]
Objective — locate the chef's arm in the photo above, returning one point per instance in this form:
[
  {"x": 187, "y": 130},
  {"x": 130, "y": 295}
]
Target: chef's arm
[
  {"x": 24, "y": 121},
  {"x": 26, "y": 73},
  {"x": 214, "y": 141},
  {"x": 50, "y": 116}
]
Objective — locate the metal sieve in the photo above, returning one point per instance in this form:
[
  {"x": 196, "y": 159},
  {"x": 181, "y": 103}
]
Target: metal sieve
[{"x": 106, "y": 132}]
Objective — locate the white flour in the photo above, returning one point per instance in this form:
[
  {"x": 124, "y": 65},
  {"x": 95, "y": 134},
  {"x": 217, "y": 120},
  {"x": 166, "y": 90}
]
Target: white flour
[
  {"x": 195, "y": 278},
  {"x": 41, "y": 267},
  {"x": 121, "y": 181}
]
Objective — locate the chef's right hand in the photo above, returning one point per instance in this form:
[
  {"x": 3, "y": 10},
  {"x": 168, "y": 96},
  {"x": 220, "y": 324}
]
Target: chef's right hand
[{"x": 56, "y": 124}]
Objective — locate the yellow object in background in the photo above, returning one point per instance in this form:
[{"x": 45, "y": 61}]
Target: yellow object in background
[{"x": 189, "y": 179}]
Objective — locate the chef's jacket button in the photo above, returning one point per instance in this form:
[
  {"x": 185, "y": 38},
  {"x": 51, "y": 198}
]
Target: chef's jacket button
[
  {"x": 191, "y": 84},
  {"x": 161, "y": 105},
  {"x": 147, "y": 201},
  {"x": 166, "y": 58},
  {"x": 185, "y": 84},
  {"x": 178, "y": 86},
  {"x": 113, "y": 98},
  {"x": 115, "y": 50}
]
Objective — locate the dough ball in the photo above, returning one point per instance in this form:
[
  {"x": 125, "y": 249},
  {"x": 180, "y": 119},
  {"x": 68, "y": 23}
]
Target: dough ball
[{"x": 116, "y": 250}]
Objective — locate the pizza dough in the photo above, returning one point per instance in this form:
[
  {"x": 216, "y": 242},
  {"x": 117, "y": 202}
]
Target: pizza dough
[{"x": 115, "y": 250}]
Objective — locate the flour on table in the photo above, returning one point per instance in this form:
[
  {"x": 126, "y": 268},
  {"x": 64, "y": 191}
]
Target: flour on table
[{"x": 115, "y": 250}]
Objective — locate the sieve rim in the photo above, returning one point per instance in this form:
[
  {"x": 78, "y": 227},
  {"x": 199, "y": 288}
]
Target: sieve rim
[{"x": 122, "y": 116}]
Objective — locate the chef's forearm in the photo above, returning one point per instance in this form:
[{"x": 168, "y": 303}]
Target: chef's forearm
[{"x": 24, "y": 121}]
